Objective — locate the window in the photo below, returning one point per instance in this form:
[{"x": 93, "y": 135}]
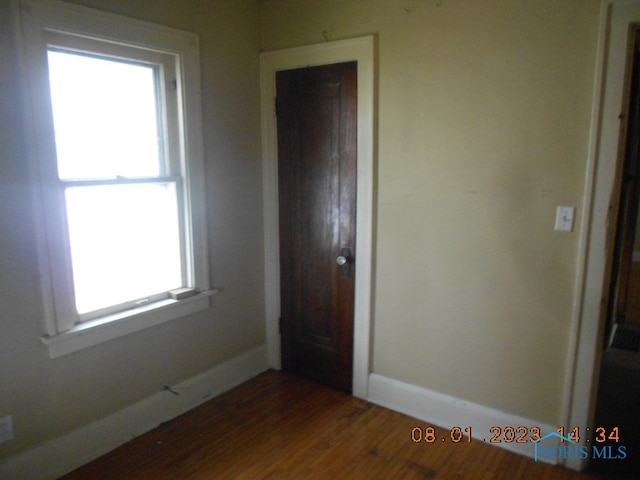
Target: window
[{"x": 117, "y": 159}]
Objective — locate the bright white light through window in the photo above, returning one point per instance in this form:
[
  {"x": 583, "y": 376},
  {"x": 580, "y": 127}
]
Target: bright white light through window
[
  {"x": 125, "y": 243},
  {"x": 124, "y": 227},
  {"x": 105, "y": 117}
]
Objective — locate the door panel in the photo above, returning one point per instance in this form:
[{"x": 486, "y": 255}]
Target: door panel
[
  {"x": 625, "y": 287},
  {"x": 316, "y": 110}
]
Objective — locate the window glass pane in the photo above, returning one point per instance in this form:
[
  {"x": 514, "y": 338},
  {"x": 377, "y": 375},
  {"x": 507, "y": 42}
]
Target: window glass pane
[
  {"x": 125, "y": 242},
  {"x": 105, "y": 116}
]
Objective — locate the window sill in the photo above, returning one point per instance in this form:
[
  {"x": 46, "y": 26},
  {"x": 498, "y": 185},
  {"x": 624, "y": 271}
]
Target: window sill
[{"x": 109, "y": 327}]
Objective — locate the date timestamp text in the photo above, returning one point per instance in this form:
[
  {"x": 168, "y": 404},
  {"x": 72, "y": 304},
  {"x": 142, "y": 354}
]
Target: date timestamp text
[{"x": 511, "y": 434}]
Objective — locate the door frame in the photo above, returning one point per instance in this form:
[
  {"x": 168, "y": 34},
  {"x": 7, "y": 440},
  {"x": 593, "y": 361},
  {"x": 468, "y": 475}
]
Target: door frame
[
  {"x": 599, "y": 217},
  {"x": 361, "y": 50}
]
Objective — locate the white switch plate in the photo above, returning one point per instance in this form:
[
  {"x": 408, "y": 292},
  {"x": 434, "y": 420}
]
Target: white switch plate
[
  {"x": 564, "y": 218},
  {"x": 6, "y": 428}
]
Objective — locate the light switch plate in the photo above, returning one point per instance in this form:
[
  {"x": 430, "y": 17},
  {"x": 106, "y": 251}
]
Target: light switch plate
[{"x": 564, "y": 218}]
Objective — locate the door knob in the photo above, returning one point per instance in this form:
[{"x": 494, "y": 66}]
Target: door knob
[{"x": 344, "y": 261}]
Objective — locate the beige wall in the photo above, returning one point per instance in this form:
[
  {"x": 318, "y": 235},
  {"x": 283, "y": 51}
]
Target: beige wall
[
  {"x": 50, "y": 397},
  {"x": 484, "y": 111}
]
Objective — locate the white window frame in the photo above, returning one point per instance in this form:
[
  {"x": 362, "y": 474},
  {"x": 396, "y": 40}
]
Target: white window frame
[{"x": 44, "y": 23}]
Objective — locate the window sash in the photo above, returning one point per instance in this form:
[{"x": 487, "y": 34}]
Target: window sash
[
  {"x": 184, "y": 260},
  {"x": 120, "y": 181},
  {"x": 108, "y": 115},
  {"x": 168, "y": 78},
  {"x": 169, "y": 160}
]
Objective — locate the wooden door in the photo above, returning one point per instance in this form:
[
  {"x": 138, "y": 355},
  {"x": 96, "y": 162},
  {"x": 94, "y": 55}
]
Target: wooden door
[
  {"x": 317, "y": 155},
  {"x": 625, "y": 295}
]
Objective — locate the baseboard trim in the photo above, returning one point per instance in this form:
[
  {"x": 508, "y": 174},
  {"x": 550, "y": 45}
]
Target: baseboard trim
[
  {"x": 447, "y": 412},
  {"x": 66, "y": 453}
]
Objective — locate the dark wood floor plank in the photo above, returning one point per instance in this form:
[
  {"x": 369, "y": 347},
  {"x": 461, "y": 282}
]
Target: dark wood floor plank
[{"x": 278, "y": 426}]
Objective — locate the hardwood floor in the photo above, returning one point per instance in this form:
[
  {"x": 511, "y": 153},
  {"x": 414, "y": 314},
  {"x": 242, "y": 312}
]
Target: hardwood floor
[{"x": 278, "y": 426}]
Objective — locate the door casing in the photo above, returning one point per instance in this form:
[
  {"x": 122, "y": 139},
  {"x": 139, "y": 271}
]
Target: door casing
[
  {"x": 360, "y": 50},
  {"x": 594, "y": 255}
]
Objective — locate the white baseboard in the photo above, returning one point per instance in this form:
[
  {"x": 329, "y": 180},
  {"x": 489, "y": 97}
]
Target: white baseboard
[
  {"x": 447, "y": 412},
  {"x": 66, "y": 453}
]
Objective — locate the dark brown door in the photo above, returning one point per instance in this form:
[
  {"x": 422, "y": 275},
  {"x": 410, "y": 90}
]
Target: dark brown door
[
  {"x": 317, "y": 119},
  {"x": 625, "y": 292}
]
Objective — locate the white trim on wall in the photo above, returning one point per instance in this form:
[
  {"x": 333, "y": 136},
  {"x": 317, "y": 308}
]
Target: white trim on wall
[
  {"x": 587, "y": 330},
  {"x": 444, "y": 411},
  {"x": 64, "y": 454},
  {"x": 362, "y": 51}
]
